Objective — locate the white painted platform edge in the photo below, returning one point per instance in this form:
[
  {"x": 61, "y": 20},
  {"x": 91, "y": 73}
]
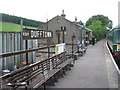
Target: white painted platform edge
[{"x": 113, "y": 59}]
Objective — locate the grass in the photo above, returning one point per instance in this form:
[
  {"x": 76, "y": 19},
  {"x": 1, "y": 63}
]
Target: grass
[{"x": 12, "y": 27}]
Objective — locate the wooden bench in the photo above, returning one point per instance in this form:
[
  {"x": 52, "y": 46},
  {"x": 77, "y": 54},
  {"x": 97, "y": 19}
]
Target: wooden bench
[
  {"x": 82, "y": 50},
  {"x": 34, "y": 75}
]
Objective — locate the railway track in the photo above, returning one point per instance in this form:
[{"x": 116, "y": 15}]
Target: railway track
[{"x": 114, "y": 60}]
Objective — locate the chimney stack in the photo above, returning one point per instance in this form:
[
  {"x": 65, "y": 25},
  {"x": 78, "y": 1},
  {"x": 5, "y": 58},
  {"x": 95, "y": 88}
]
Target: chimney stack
[
  {"x": 63, "y": 15},
  {"x": 75, "y": 19}
]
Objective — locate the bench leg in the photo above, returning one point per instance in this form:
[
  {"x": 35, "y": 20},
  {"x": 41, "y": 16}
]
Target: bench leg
[
  {"x": 81, "y": 53},
  {"x": 26, "y": 87},
  {"x": 69, "y": 66},
  {"x": 44, "y": 86},
  {"x": 60, "y": 73},
  {"x": 66, "y": 67},
  {"x": 13, "y": 88},
  {"x": 56, "y": 77},
  {"x": 72, "y": 63},
  {"x": 64, "y": 71}
]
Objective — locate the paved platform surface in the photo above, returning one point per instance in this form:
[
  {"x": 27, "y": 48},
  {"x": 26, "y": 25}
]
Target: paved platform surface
[{"x": 94, "y": 70}]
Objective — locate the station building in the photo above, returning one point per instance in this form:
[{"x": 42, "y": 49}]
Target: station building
[{"x": 64, "y": 30}]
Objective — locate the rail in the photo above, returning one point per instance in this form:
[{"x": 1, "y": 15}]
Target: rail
[{"x": 24, "y": 51}]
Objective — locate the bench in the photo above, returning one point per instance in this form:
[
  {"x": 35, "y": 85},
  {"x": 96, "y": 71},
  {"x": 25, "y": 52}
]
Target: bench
[
  {"x": 35, "y": 75},
  {"x": 64, "y": 64},
  {"x": 82, "y": 50}
]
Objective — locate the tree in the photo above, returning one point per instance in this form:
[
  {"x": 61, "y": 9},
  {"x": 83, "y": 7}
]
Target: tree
[{"x": 100, "y": 25}]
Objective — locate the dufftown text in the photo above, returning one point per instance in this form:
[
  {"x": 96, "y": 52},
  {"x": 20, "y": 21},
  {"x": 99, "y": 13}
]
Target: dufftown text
[{"x": 36, "y": 34}]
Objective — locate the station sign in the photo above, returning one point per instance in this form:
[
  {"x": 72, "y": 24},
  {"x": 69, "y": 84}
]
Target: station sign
[{"x": 36, "y": 34}]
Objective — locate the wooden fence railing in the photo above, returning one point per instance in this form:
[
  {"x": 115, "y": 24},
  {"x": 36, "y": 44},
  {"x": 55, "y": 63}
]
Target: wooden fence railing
[{"x": 34, "y": 75}]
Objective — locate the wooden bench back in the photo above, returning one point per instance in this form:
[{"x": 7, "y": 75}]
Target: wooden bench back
[{"x": 29, "y": 72}]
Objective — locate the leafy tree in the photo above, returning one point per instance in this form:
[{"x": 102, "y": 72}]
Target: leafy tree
[
  {"x": 100, "y": 25},
  {"x": 99, "y": 31}
]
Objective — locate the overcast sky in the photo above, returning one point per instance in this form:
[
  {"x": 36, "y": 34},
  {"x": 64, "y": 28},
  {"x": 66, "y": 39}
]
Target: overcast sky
[{"x": 40, "y": 10}]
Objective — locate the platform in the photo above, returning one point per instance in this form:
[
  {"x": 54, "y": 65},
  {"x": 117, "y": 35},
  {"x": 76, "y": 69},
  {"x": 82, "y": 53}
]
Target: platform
[{"x": 94, "y": 69}]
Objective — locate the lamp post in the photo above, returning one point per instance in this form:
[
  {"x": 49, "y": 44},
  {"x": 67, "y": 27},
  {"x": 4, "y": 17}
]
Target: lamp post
[
  {"x": 48, "y": 42},
  {"x": 26, "y": 42},
  {"x": 73, "y": 36}
]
